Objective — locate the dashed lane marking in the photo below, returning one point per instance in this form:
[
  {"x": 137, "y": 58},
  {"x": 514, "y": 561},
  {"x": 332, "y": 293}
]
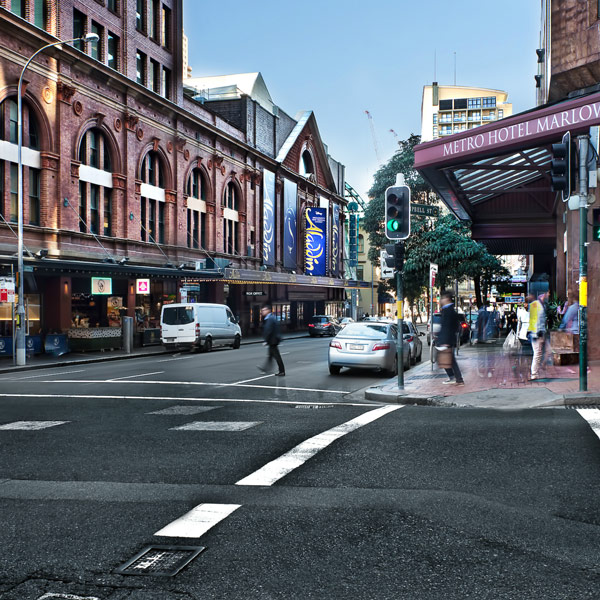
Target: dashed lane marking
[
  {"x": 30, "y": 425},
  {"x": 202, "y": 383},
  {"x": 198, "y": 521},
  {"x": 254, "y": 379},
  {"x": 217, "y": 426},
  {"x": 140, "y": 375},
  {"x": 173, "y": 398},
  {"x": 183, "y": 410},
  {"x": 297, "y": 456}
]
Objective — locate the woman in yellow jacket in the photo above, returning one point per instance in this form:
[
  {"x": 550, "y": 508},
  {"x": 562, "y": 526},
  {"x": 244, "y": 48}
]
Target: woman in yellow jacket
[{"x": 537, "y": 330}]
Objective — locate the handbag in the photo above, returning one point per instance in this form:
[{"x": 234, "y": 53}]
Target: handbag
[{"x": 444, "y": 358}]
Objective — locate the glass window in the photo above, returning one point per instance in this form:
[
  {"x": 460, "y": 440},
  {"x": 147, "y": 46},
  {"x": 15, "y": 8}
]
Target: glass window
[
  {"x": 152, "y": 220},
  {"x": 165, "y": 90},
  {"x": 83, "y": 206},
  {"x": 96, "y": 47},
  {"x": 79, "y": 26},
  {"x": 178, "y": 315},
  {"x": 166, "y": 27},
  {"x": 153, "y": 30},
  {"x": 14, "y": 194},
  {"x": 474, "y": 102},
  {"x": 140, "y": 67},
  {"x": 40, "y": 13},
  {"x": 34, "y": 196},
  {"x": 361, "y": 244},
  {"x": 501, "y": 113},
  {"x": 143, "y": 219},
  {"x": 489, "y": 101},
  {"x": 112, "y": 5},
  {"x": 107, "y": 211},
  {"x": 93, "y": 143},
  {"x": 112, "y": 54},
  {"x": 154, "y": 76},
  {"x": 139, "y": 15},
  {"x": 18, "y": 8},
  {"x": 94, "y": 208},
  {"x": 161, "y": 222}
]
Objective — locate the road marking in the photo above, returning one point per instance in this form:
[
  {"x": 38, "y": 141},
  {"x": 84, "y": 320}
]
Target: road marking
[
  {"x": 46, "y": 374},
  {"x": 202, "y": 383},
  {"x": 130, "y": 376},
  {"x": 198, "y": 521},
  {"x": 176, "y": 358},
  {"x": 253, "y": 379},
  {"x": 31, "y": 425},
  {"x": 171, "y": 398},
  {"x": 67, "y": 597},
  {"x": 183, "y": 410},
  {"x": 217, "y": 426},
  {"x": 592, "y": 416},
  {"x": 297, "y": 456}
]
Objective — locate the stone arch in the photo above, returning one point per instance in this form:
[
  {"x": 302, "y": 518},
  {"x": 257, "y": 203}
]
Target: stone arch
[
  {"x": 197, "y": 164},
  {"x": 238, "y": 188},
  {"x": 113, "y": 146},
  {"x": 165, "y": 164}
]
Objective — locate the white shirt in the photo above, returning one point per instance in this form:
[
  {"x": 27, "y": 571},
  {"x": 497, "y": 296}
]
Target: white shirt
[{"x": 523, "y": 323}]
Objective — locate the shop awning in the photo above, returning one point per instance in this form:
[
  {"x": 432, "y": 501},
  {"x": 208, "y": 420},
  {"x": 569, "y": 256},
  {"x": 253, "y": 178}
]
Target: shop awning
[
  {"x": 497, "y": 175},
  {"x": 268, "y": 277}
]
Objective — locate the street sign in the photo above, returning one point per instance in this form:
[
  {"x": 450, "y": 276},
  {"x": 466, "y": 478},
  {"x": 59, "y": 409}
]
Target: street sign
[
  {"x": 386, "y": 272},
  {"x": 142, "y": 286},
  {"x": 433, "y": 270},
  {"x": 424, "y": 210},
  {"x": 7, "y": 289}
]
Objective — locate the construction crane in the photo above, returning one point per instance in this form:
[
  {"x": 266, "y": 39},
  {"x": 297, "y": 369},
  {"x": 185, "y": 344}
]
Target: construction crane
[{"x": 375, "y": 144}]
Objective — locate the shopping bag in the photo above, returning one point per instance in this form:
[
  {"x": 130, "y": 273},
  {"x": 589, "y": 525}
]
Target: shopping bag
[{"x": 511, "y": 345}]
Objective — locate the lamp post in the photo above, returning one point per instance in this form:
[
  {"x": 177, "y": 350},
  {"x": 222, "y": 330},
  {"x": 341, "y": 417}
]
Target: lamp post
[{"x": 20, "y": 341}]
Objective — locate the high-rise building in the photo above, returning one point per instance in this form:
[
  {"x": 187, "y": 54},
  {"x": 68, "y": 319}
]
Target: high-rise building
[{"x": 448, "y": 109}]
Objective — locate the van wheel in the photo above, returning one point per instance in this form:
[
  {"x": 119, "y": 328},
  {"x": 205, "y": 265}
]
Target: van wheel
[
  {"x": 237, "y": 342},
  {"x": 207, "y": 345}
]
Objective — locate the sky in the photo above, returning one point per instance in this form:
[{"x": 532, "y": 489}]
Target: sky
[{"x": 340, "y": 58}]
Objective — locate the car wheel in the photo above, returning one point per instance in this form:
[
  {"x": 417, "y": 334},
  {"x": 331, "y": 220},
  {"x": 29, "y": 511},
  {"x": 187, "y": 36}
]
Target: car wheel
[
  {"x": 394, "y": 370},
  {"x": 207, "y": 347},
  {"x": 237, "y": 342},
  {"x": 333, "y": 370}
]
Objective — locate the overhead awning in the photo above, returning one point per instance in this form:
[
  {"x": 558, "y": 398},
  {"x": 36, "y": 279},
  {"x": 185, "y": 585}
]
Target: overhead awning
[{"x": 497, "y": 175}]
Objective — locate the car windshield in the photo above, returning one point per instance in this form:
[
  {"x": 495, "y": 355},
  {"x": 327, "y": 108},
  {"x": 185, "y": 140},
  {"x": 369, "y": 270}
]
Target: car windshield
[
  {"x": 178, "y": 315},
  {"x": 364, "y": 331}
]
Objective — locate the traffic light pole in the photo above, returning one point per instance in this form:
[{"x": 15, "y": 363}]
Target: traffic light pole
[
  {"x": 583, "y": 225},
  {"x": 400, "y": 310}
]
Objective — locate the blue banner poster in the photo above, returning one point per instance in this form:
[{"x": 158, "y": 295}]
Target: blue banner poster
[
  {"x": 335, "y": 242},
  {"x": 315, "y": 253},
  {"x": 290, "y": 226},
  {"x": 268, "y": 249}
]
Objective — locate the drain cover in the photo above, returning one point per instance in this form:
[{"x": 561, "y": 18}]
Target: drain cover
[{"x": 160, "y": 561}]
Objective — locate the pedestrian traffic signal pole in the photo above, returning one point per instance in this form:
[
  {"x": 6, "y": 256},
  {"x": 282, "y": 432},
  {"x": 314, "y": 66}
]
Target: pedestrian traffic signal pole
[
  {"x": 583, "y": 225},
  {"x": 400, "y": 311}
]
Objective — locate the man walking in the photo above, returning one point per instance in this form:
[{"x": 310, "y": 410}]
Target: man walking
[
  {"x": 448, "y": 335},
  {"x": 272, "y": 338}
]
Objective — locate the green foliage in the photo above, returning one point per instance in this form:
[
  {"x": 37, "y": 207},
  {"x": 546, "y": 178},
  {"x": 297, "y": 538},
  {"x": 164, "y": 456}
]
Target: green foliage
[{"x": 446, "y": 241}]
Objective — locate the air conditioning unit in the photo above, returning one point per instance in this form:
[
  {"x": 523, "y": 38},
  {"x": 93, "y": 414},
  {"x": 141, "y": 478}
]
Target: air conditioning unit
[{"x": 200, "y": 264}]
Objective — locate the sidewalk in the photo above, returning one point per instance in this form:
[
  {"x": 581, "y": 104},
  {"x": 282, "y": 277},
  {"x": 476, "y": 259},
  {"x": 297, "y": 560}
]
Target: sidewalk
[
  {"x": 43, "y": 361},
  {"x": 492, "y": 380}
]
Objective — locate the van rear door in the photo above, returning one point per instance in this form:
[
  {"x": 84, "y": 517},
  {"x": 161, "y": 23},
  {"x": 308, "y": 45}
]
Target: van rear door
[{"x": 178, "y": 324}]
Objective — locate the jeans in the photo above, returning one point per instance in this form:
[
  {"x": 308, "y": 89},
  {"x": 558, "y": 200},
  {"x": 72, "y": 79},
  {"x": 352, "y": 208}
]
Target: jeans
[{"x": 454, "y": 372}]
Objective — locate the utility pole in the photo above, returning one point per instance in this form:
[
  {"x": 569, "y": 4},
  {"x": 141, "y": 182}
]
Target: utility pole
[{"x": 584, "y": 141}]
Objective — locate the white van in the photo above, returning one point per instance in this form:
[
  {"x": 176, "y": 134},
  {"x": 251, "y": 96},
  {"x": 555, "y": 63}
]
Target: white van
[{"x": 198, "y": 326}]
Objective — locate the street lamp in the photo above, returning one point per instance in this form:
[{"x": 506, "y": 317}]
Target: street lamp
[{"x": 20, "y": 341}]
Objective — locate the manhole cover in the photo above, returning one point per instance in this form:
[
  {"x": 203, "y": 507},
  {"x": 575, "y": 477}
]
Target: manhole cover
[{"x": 160, "y": 561}]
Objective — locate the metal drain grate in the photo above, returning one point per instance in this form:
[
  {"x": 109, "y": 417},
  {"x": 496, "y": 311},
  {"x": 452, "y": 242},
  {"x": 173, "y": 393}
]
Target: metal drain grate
[{"x": 160, "y": 561}]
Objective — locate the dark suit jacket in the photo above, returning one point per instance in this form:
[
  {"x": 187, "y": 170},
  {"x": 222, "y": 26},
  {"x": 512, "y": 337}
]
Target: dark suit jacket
[
  {"x": 271, "y": 333},
  {"x": 448, "y": 327}
]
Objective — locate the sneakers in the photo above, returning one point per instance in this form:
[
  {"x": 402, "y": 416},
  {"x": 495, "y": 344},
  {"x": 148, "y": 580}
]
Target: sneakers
[
  {"x": 459, "y": 383},
  {"x": 448, "y": 382}
]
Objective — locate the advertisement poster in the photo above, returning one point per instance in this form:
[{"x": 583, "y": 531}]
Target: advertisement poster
[
  {"x": 290, "y": 231},
  {"x": 335, "y": 242},
  {"x": 268, "y": 250},
  {"x": 315, "y": 253},
  {"x": 114, "y": 304}
]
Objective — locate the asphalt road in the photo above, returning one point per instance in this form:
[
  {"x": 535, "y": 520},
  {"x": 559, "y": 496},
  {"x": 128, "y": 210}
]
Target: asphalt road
[{"x": 295, "y": 487}]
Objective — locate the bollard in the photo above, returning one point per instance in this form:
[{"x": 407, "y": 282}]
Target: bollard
[{"x": 128, "y": 334}]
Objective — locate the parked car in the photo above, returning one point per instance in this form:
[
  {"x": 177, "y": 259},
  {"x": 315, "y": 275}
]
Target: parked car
[
  {"x": 367, "y": 345},
  {"x": 413, "y": 337},
  {"x": 323, "y": 325},
  {"x": 198, "y": 325},
  {"x": 437, "y": 320},
  {"x": 345, "y": 321}
]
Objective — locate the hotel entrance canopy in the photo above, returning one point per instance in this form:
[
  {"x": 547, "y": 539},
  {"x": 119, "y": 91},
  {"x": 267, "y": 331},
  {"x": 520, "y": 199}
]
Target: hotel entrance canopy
[{"x": 498, "y": 177}]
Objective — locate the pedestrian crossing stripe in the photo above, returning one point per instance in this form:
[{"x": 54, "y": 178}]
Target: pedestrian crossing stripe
[
  {"x": 31, "y": 425},
  {"x": 217, "y": 426},
  {"x": 183, "y": 410}
]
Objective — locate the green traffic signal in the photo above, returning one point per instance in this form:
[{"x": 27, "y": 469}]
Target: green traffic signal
[{"x": 393, "y": 225}]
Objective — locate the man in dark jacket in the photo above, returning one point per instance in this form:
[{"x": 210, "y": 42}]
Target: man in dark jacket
[
  {"x": 272, "y": 338},
  {"x": 447, "y": 337}
]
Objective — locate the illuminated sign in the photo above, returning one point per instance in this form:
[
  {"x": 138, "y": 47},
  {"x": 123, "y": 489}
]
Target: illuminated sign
[
  {"x": 142, "y": 286},
  {"x": 101, "y": 286},
  {"x": 315, "y": 254}
]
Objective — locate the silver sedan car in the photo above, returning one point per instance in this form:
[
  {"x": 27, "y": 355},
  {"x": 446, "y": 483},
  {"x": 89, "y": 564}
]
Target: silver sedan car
[{"x": 367, "y": 345}]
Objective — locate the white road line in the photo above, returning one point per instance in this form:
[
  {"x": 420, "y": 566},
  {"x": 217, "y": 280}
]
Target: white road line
[
  {"x": 46, "y": 375},
  {"x": 254, "y": 379},
  {"x": 176, "y": 358},
  {"x": 198, "y": 521},
  {"x": 130, "y": 376},
  {"x": 592, "y": 416},
  {"x": 202, "y": 383},
  {"x": 297, "y": 456},
  {"x": 172, "y": 398},
  {"x": 217, "y": 426},
  {"x": 31, "y": 425},
  {"x": 183, "y": 410}
]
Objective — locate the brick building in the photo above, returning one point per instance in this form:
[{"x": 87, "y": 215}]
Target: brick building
[{"x": 129, "y": 176}]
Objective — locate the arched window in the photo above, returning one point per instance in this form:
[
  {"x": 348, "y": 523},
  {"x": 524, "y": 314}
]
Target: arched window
[
  {"x": 231, "y": 219},
  {"x": 95, "y": 184},
  {"x": 9, "y": 172},
  {"x": 153, "y": 199},
  {"x": 307, "y": 165},
  {"x": 196, "y": 211}
]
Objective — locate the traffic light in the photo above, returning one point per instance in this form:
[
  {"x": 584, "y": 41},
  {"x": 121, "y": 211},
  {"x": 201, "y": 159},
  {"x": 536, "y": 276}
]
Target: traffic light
[
  {"x": 563, "y": 167},
  {"x": 596, "y": 224},
  {"x": 397, "y": 212},
  {"x": 394, "y": 256}
]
